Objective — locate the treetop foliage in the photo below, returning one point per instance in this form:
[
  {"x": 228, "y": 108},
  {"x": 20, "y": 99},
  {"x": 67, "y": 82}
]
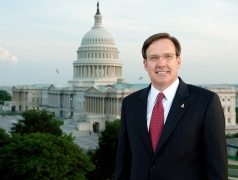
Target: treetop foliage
[
  {"x": 42, "y": 156},
  {"x": 4, "y": 96},
  {"x": 36, "y": 121}
]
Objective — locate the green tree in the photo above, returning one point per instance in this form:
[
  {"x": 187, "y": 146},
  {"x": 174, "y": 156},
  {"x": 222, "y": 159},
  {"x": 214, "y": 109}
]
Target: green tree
[
  {"x": 4, "y": 137},
  {"x": 43, "y": 156},
  {"x": 104, "y": 157},
  {"x": 37, "y": 121},
  {"x": 4, "y": 96}
]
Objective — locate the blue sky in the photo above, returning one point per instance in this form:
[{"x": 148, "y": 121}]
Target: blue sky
[{"x": 36, "y": 37}]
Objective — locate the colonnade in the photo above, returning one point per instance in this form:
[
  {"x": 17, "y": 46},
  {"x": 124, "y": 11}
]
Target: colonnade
[
  {"x": 20, "y": 96},
  {"x": 61, "y": 100},
  {"x": 100, "y": 105},
  {"x": 97, "y": 71},
  {"x": 98, "y": 55},
  {"x": 53, "y": 99}
]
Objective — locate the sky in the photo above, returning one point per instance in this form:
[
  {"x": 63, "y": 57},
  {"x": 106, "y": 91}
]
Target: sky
[{"x": 37, "y": 37}]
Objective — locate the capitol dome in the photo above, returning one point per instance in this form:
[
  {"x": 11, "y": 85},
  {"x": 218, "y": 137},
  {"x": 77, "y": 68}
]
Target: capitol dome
[
  {"x": 97, "y": 36},
  {"x": 97, "y": 57}
]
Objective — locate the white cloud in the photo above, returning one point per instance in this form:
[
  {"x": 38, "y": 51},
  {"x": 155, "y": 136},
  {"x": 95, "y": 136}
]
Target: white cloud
[{"x": 6, "y": 56}]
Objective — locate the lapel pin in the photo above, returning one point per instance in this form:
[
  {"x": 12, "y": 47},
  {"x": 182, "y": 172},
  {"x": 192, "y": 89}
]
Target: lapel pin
[{"x": 182, "y": 106}]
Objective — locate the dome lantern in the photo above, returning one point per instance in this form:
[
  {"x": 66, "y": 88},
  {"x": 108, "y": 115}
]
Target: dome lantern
[{"x": 98, "y": 18}]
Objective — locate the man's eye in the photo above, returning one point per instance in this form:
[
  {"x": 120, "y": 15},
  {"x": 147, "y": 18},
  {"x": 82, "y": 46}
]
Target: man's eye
[
  {"x": 168, "y": 56},
  {"x": 153, "y": 58}
]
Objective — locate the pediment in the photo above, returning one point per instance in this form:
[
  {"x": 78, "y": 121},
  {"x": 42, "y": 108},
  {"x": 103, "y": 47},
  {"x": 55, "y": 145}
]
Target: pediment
[
  {"x": 52, "y": 87},
  {"x": 93, "y": 90}
]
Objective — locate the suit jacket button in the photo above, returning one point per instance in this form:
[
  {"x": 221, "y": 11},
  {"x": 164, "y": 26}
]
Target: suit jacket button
[{"x": 152, "y": 168}]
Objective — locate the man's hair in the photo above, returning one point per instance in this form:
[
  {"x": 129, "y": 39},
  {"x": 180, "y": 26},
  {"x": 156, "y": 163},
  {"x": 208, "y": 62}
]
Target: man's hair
[{"x": 158, "y": 36}]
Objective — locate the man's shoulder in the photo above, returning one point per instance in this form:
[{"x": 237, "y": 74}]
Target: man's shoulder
[{"x": 200, "y": 90}]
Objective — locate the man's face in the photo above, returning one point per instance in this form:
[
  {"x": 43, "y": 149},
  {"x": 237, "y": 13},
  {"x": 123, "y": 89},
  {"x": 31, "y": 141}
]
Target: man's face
[{"x": 163, "y": 71}]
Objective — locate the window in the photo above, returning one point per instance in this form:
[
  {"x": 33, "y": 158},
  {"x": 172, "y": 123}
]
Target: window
[
  {"x": 229, "y": 120},
  {"x": 228, "y": 99},
  {"x": 33, "y": 99},
  {"x": 228, "y": 109}
]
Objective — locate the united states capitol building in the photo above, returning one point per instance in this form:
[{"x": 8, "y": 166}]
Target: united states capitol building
[{"x": 93, "y": 96}]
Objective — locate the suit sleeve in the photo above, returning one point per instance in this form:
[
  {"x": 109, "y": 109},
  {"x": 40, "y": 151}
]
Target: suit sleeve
[
  {"x": 123, "y": 160},
  {"x": 215, "y": 141}
]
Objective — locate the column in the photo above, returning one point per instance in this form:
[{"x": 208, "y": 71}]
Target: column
[
  {"x": 81, "y": 70},
  {"x": 90, "y": 104},
  {"x": 111, "y": 106},
  {"x": 95, "y": 106},
  {"x": 85, "y": 104},
  {"x": 105, "y": 71},
  {"x": 117, "y": 107},
  {"x": 100, "y": 107},
  {"x": 97, "y": 72},
  {"x": 114, "y": 105},
  {"x": 92, "y": 70},
  {"x": 103, "y": 106}
]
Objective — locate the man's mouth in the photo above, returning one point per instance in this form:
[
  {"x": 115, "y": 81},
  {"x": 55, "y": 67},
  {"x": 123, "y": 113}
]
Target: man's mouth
[{"x": 162, "y": 72}]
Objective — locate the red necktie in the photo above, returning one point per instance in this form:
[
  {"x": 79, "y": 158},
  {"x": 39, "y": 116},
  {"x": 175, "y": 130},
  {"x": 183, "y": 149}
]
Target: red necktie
[{"x": 156, "y": 122}]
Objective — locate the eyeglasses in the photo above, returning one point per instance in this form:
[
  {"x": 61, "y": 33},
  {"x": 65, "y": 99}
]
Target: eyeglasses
[{"x": 164, "y": 56}]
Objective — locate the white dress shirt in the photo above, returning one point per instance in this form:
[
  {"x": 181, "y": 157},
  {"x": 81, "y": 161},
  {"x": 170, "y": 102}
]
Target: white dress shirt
[{"x": 167, "y": 101}]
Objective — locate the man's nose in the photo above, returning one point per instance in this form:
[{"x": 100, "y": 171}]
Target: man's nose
[{"x": 161, "y": 62}]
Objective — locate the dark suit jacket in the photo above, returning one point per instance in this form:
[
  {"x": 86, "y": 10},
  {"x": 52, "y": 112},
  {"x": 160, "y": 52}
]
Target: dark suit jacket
[{"x": 192, "y": 145}]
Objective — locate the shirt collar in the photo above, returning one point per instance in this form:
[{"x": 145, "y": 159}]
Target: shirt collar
[{"x": 169, "y": 92}]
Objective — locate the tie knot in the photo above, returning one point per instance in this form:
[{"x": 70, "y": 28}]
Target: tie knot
[{"x": 160, "y": 97}]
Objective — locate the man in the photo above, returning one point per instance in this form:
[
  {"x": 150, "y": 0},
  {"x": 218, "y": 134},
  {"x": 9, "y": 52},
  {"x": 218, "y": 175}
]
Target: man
[{"x": 170, "y": 130}]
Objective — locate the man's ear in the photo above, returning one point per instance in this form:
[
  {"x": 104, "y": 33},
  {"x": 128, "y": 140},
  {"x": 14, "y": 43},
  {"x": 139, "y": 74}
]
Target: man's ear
[
  {"x": 145, "y": 64},
  {"x": 178, "y": 62}
]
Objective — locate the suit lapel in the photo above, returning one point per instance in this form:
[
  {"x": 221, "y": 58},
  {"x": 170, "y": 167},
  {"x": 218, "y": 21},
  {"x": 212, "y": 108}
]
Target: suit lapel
[
  {"x": 175, "y": 113},
  {"x": 142, "y": 118}
]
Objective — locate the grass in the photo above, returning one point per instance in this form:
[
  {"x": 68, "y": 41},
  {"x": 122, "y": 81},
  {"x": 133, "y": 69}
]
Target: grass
[
  {"x": 232, "y": 176},
  {"x": 10, "y": 114},
  {"x": 58, "y": 122},
  {"x": 19, "y": 113},
  {"x": 231, "y": 166},
  {"x": 235, "y": 158}
]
